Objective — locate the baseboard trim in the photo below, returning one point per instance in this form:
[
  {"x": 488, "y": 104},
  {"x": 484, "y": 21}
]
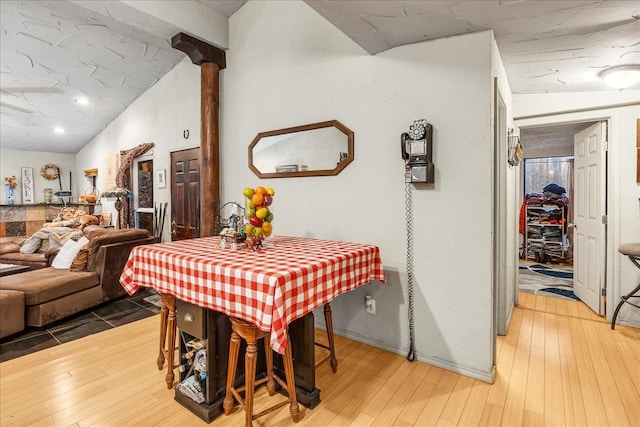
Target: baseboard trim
[
  {"x": 488, "y": 377},
  {"x": 631, "y": 323}
]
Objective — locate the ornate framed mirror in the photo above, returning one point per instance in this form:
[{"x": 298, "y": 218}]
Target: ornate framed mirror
[{"x": 317, "y": 149}]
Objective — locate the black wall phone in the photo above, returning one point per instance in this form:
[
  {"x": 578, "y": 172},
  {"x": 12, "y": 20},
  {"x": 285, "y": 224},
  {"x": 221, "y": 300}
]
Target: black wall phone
[{"x": 416, "y": 147}]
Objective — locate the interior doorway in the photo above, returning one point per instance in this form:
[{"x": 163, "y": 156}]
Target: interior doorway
[
  {"x": 185, "y": 194},
  {"x": 546, "y": 220}
]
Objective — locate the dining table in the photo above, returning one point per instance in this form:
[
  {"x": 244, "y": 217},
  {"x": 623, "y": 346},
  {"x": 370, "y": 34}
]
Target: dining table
[{"x": 273, "y": 287}]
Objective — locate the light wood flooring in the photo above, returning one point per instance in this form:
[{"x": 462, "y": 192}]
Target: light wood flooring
[{"x": 559, "y": 365}]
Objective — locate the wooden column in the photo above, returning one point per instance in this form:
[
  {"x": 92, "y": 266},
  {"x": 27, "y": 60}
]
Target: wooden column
[
  {"x": 209, "y": 147},
  {"x": 211, "y": 60}
]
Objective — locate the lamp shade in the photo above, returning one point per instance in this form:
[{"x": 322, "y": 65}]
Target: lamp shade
[{"x": 622, "y": 76}]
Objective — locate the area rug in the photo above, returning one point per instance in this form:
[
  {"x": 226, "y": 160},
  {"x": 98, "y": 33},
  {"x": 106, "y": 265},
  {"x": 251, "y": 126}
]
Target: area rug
[
  {"x": 558, "y": 272},
  {"x": 547, "y": 280}
]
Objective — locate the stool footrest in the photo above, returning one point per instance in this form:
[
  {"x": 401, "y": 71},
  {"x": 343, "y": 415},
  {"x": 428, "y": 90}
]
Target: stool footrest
[{"x": 271, "y": 409}]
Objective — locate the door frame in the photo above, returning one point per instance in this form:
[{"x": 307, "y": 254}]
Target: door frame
[
  {"x": 504, "y": 298},
  {"x": 612, "y": 193}
]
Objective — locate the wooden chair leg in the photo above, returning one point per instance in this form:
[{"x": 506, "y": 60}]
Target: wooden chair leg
[
  {"x": 168, "y": 301},
  {"x": 271, "y": 384},
  {"x": 251, "y": 334},
  {"x": 164, "y": 314},
  {"x": 294, "y": 409},
  {"x": 328, "y": 319},
  {"x": 234, "y": 349},
  {"x": 249, "y": 380}
]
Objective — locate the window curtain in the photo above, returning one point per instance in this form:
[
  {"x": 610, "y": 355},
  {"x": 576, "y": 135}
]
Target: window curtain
[{"x": 123, "y": 179}]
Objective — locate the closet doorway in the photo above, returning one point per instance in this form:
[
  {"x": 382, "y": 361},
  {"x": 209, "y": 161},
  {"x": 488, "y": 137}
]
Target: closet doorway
[{"x": 548, "y": 209}]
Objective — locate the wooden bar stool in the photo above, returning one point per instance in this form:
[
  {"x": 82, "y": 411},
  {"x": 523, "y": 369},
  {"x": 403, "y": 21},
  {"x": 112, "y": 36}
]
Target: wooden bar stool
[
  {"x": 251, "y": 334},
  {"x": 328, "y": 320},
  {"x": 167, "y": 327},
  {"x": 632, "y": 251}
]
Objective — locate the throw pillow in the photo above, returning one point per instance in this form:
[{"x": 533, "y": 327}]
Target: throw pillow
[
  {"x": 68, "y": 252},
  {"x": 79, "y": 263},
  {"x": 31, "y": 245},
  {"x": 44, "y": 246}
]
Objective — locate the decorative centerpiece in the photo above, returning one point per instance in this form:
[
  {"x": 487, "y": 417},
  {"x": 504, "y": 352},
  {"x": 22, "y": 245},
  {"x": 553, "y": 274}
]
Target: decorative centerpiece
[
  {"x": 248, "y": 233},
  {"x": 11, "y": 183},
  {"x": 258, "y": 214}
]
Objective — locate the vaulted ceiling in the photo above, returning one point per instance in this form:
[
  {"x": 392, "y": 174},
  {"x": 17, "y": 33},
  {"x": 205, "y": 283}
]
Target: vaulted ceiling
[{"x": 52, "y": 53}]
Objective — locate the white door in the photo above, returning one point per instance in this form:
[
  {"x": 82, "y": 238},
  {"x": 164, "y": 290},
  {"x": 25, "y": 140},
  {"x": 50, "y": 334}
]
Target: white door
[{"x": 589, "y": 213}]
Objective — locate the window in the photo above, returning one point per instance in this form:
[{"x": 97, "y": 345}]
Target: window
[{"x": 540, "y": 172}]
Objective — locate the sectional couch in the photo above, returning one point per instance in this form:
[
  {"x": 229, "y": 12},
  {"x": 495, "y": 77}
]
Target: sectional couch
[{"x": 47, "y": 294}]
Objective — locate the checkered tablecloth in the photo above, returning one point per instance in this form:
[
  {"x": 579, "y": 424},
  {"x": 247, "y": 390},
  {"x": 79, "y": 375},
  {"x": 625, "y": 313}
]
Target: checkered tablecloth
[{"x": 271, "y": 288}]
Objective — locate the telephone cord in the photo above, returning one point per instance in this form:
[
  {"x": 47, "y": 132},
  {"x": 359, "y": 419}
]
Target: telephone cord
[{"x": 408, "y": 201}]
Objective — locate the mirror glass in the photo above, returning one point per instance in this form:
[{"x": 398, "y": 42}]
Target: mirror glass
[{"x": 317, "y": 149}]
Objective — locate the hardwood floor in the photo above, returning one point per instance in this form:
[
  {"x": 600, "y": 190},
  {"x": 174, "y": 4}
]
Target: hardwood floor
[{"x": 559, "y": 365}]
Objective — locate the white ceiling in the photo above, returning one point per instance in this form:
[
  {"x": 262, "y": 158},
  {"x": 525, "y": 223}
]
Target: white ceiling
[{"x": 54, "y": 51}]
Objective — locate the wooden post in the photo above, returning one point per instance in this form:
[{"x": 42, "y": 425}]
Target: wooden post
[
  {"x": 211, "y": 60},
  {"x": 209, "y": 148}
]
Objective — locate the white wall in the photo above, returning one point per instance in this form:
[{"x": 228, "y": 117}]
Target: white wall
[
  {"x": 288, "y": 66},
  {"x": 623, "y": 191},
  {"x": 12, "y": 162},
  {"x": 160, "y": 116}
]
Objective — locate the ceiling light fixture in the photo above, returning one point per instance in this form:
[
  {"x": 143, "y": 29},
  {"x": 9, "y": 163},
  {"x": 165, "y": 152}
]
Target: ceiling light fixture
[
  {"x": 82, "y": 100},
  {"x": 58, "y": 129},
  {"x": 622, "y": 76}
]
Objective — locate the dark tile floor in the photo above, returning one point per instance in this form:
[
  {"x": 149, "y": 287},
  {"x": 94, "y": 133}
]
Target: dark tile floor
[{"x": 106, "y": 316}]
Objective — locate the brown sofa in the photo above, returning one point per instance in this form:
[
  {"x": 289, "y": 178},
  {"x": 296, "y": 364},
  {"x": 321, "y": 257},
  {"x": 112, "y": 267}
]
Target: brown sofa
[
  {"x": 51, "y": 294},
  {"x": 10, "y": 254}
]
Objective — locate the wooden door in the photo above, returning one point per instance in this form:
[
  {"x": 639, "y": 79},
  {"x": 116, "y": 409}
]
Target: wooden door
[
  {"x": 185, "y": 194},
  {"x": 589, "y": 214}
]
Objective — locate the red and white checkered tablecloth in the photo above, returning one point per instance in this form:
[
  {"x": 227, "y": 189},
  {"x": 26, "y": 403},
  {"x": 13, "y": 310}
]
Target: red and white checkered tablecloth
[{"x": 271, "y": 288}]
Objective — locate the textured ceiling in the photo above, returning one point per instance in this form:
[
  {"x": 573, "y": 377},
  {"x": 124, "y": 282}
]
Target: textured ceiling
[
  {"x": 546, "y": 46},
  {"x": 559, "y": 137},
  {"x": 52, "y": 52}
]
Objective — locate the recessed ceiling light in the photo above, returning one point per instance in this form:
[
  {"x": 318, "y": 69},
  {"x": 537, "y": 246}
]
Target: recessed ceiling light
[
  {"x": 58, "y": 129},
  {"x": 82, "y": 100},
  {"x": 622, "y": 76}
]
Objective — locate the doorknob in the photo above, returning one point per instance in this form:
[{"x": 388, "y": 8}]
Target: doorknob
[{"x": 173, "y": 228}]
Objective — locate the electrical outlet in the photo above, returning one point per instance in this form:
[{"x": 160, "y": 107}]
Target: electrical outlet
[{"x": 370, "y": 304}]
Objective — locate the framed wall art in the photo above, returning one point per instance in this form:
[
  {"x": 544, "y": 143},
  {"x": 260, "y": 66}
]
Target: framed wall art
[
  {"x": 27, "y": 186},
  {"x": 161, "y": 178}
]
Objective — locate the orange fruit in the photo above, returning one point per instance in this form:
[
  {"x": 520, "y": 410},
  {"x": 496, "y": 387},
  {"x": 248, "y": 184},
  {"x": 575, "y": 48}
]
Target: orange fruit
[
  {"x": 267, "y": 228},
  {"x": 261, "y": 190},
  {"x": 257, "y": 198}
]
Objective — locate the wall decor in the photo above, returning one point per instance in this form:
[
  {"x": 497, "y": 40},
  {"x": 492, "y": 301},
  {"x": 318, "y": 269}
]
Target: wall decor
[
  {"x": 110, "y": 166},
  {"x": 161, "y": 178},
  {"x": 50, "y": 172},
  {"x": 514, "y": 148},
  {"x": 316, "y": 149},
  {"x": 27, "y": 186}
]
